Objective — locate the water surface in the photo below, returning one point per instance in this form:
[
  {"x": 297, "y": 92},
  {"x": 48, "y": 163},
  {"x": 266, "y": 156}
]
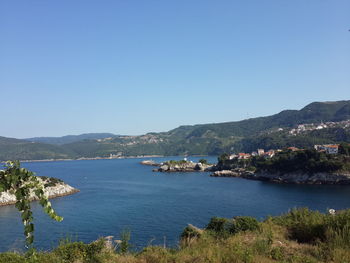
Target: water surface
[{"x": 122, "y": 194}]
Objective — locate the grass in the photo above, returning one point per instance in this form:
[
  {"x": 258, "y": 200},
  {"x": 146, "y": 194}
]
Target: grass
[{"x": 300, "y": 236}]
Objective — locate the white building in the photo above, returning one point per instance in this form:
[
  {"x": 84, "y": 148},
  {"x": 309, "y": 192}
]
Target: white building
[{"x": 328, "y": 148}]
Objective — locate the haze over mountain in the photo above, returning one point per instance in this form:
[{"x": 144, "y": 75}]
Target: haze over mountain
[
  {"x": 70, "y": 138},
  {"x": 204, "y": 139}
]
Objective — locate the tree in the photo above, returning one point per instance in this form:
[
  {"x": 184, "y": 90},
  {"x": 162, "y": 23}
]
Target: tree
[
  {"x": 25, "y": 186},
  {"x": 344, "y": 148},
  {"x": 223, "y": 157},
  {"x": 203, "y": 161}
]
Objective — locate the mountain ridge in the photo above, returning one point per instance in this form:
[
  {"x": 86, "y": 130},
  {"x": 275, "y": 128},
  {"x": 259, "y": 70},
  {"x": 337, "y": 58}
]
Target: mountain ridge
[
  {"x": 201, "y": 139},
  {"x": 69, "y": 138}
]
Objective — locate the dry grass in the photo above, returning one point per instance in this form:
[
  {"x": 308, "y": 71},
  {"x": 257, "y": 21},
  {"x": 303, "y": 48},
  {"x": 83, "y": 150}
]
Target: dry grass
[{"x": 270, "y": 243}]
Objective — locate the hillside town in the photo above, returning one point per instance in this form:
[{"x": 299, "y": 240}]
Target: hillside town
[
  {"x": 327, "y": 148},
  {"x": 318, "y": 126}
]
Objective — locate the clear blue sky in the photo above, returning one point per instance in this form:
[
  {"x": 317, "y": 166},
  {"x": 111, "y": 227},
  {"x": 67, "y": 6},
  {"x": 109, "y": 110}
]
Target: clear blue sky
[{"x": 131, "y": 67}]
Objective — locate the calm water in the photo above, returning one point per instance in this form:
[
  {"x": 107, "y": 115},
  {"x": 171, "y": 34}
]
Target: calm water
[{"x": 122, "y": 194}]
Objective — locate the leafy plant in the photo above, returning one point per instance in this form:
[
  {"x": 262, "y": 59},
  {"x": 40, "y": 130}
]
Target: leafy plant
[
  {"x": 25, "y": 186},
  {"x": 244, "y": 223},
  {"x": 124, "y": 244}
]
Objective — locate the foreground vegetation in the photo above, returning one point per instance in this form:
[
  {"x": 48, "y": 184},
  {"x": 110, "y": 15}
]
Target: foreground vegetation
[{"x": 298, "y": 236}]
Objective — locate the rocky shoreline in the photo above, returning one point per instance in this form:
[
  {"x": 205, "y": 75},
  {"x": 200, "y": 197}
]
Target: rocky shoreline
[
  {"x": 304, "y": 178},
  {"x": 178, "y": 166},
  {"x": 288, "y": 178},
  {"x": 283, "y": 178},
  {"x": 58, "y": 190}
]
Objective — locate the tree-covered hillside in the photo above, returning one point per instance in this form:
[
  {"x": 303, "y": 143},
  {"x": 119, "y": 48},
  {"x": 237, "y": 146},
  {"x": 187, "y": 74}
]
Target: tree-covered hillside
[
  {"x": 203, "y": 139},
  {"x": 70, "y": 138},
  {"x": 14, "y": 149},
  {"x": 279, "y": 140}
]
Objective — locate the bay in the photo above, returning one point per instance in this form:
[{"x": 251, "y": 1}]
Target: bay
[{"x": 121, "y": 194}]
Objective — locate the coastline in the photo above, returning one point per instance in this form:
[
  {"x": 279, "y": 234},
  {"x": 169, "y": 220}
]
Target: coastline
[
  {"x": 89, "y": 158},
  {"x": 104, "y": 158},
  {"x": 289, "y": 178},
  {"x": 59, "y": 190}
]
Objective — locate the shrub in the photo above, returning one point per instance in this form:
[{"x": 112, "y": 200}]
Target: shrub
[
  {"x": 190, "y": 232},
  {"x": 225, "y": 226},
  {"x": 155, "y": 254},
  {"x": 8, "y": 257},
  {"x": 124, "y": 244},
  {"x": 337, "y": 229},
  {"x": 79, "y": 251},
  {"x": 304, "y": 225},
  {"x": 71, "y": 252},
  {"x": 308, "y": 226},
  {"x": 218, "y": 224},
  {"x": 244, "y": 223},
  {"x": 277, "y": 253}
]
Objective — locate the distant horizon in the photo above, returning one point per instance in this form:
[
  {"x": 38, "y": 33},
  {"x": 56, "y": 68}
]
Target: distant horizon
[
  {"x": 71, "y": 67},
  {"x": 118, "y": 134}
]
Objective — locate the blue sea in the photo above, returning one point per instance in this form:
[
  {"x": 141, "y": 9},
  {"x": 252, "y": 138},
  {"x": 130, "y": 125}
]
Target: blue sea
[{"x": 121, "y": 194}]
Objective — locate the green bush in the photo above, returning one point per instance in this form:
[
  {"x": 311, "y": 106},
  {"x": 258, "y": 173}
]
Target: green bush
[
  {"x": 244, "y": 223},
  {"x": 79, "y": 251},
  {"x": 70, "y": 252},
  {"x": 219, "y": 224},
  {"x": 8, "y": 257},
  {"x": 124, "y": 244},
  {"x": 225, "y": 226},
  {"x": 277, "y": 253},
  {"x": 155, "y": 254},
  {"x": 304, "y": 225},
  {"x": 189, "y": 233},
  {"x": 308, "y": 226}
]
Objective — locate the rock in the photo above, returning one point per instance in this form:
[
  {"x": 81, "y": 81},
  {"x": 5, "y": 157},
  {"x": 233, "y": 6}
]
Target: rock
[
  {"x": 149, "y": 162},
  {"x": 183, "y": 167},
  {"x": 164, "y": 168},
  {"x": 225, "y": 173},
  {"x": 60, "y": 189},
  {"x": 304, "y": 178},
  {"x": 289, "y": 178},
  {"x": 199, "y": 167}
]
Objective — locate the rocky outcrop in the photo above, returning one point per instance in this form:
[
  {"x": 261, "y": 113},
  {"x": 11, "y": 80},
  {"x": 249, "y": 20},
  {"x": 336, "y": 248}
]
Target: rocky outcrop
[
  {"x": 149, "y": 162},
  {"x": 225, "y": 173},
  {"x": 288, "y": 178},
  {"x": 305, "y": 178},
  {"x": 239, "y": 172},
  {"x": 184, "y": 167},
  {"x": 58, "y": 189}
]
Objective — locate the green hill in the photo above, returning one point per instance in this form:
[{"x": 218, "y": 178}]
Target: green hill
[
  {"x": 14, "y": 149},
  {"x": 201, "y": 139},
  {"x": 70, "y": 138}
]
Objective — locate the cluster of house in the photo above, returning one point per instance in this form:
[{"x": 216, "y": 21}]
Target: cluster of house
[
  {"x": 259, "y": 152},
  {"x": 319, "y": 126},
  {"x": 328, "y": 148}
]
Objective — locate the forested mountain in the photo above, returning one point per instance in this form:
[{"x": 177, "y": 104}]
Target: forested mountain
[
  {"x": 70, "y": 138},
  {"x": 246, "y": 135},
  {"x": 14, "y": 149}
]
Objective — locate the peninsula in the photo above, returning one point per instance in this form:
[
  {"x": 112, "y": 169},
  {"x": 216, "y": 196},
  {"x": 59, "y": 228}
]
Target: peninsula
[
  {"x": 325, "y": 164},
  {"x": 53, "y": 188},
  {"x": 180, "y": 166}
]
